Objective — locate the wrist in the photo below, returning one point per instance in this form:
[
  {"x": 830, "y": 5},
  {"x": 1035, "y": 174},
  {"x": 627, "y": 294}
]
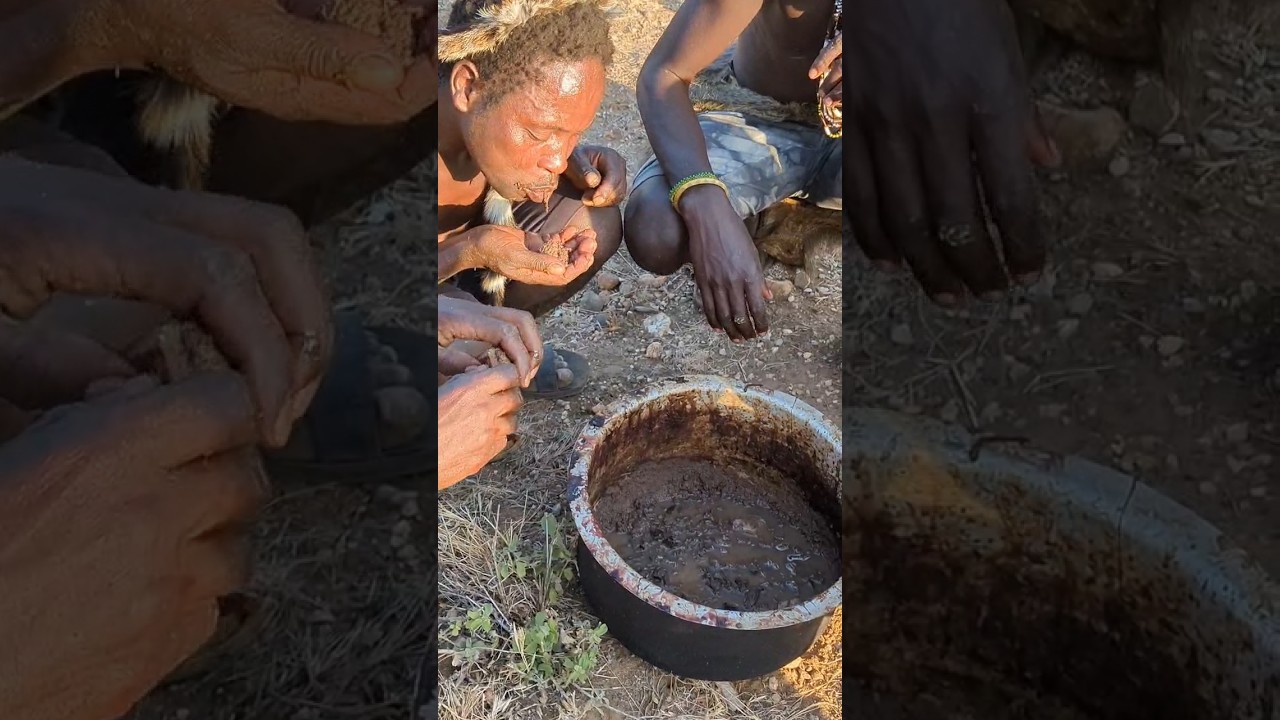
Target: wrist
[{"x": 703, "y": 201}]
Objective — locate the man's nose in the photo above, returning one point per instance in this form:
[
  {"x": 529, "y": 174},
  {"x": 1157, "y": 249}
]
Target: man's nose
[{"x": 555, "y": 164}]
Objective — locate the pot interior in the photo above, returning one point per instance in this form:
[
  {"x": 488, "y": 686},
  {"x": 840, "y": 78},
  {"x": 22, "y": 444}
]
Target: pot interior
[
  {"x": 669, "y": 472},
  {"x": 1040, "y": 588}
]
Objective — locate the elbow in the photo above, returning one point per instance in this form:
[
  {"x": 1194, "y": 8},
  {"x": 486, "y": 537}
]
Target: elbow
[{"x": 654, "y": 81}]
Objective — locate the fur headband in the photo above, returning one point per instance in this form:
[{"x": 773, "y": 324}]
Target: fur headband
[{"x": 494, "y": 24}]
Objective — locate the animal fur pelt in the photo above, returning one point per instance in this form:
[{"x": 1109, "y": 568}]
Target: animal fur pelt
[
  {"x": 715, "y": 88},
  {"x": 495, "y": 23},
  {"x": 497, "y": 211}
]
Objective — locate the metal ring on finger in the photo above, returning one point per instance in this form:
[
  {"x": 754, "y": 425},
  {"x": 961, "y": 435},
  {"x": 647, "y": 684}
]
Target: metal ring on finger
[
  {"x": 955, "y": 235},
  {"x": 739, "y": 321}
]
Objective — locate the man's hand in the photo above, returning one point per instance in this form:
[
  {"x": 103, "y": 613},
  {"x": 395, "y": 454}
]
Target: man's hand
[
  {"x": 256, "y": 54},
  {"x": 244, "y": 270},
  {"x": 600, "y": 173},
  {"x": 515, "y": 331},
  {"x": 941, "y": 122},
  {"x": 122, "y": 521},
  {"x": 477, "y": 415},
  {"x": 830, "y": 62},
  {"x": 517, "y": 254},
  {"x": 726, "y": 265}
]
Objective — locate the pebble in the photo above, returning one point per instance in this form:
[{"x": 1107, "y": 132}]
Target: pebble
[
  {"x": 1215, "y": 95},
  {"x": 651, "y": 281},
  {"x": 321, "y": 616},
  {"x": 950, "y": 412},
  {"x": 1080, "y": 304},
  {"x": 1107, "y": 270},
  {"x": 1248, "y": 290},
  {"x": 1119, "y": 166},
  {"x": 1068, "y": 327},
  {"x": 781, "y": 289},
  {"x": 901, "y": 334},
  {"x": 1019, "y": 312},
  {"x": 1237, "y": 433},
  {"x": 657, "y": 325},
  {"x": 802, "y": 279},
  {"x": 645, "y": 309},
  {"x": 1170, "y": 345},
  {"x": 1258, "y": 491},
  {"x": 1208, "y": 488},
  {"x": 1173, "y": 139},
  {"x": 654, "y": 351},
  {"x": 592, "y": 302},
  {"x": 411, "y": 509},
  {"x": 607, "y": 280},
  {"x": 1084, "y": 137}
]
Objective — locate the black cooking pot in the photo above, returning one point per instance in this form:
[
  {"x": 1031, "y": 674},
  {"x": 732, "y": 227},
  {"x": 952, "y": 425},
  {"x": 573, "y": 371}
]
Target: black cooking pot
[{"x": 703, "y": 417}]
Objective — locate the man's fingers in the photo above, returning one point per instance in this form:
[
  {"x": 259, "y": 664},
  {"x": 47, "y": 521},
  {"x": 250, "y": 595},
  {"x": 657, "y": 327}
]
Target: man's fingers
[
  {"x": 40, "y": 367},
  {"x": 508, "y": 402},
  {"x": 1008, "y": 183},
  {"x": 829, "y": 56},
  {"x": 741, "y": 318},
  {"x": 581, "y": 171},
  {"x": 864, "y": 207},
  {"x": 758, "y": 308},
  {"x": 136, "y": 260},
  {"x": 173, "y": 425},
  {"x": 276, "y": 242},
  {"x": 958, "y": 225},
  {"x": 525, "y": 325},
  {"x": 724, "y": 313},
  {"x": 221, "y": 494},
  {"x": 450, "y": 361},
  {"x": 708, "y": 303},
  {"x": 909, "y": 222},
  {"x": 494, "y": 380}
]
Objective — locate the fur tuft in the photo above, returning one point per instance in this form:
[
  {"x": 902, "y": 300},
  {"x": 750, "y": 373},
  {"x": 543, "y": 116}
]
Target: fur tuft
[
  {"x": 497, "y": 211},
  {"x": 178, "y": 120},
  {"x": 494, "y": 24}
]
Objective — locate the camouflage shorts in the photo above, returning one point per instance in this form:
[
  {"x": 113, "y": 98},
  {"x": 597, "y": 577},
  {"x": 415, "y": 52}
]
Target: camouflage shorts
[{"x": 764, "y": 162}]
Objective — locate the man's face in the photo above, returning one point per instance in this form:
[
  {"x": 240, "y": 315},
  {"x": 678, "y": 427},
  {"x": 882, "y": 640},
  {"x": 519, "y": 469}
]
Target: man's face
[{"x": 522, "y": 143}]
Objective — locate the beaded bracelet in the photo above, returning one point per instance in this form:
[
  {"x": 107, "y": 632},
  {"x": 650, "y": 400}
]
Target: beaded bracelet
[{"x": 702, "y": 178}]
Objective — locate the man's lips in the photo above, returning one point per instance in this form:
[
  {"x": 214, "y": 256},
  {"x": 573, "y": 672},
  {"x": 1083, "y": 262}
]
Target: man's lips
[{"x": 538, "y": 195}]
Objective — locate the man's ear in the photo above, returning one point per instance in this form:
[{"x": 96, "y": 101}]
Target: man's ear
[{"x": 464, "y": 85}]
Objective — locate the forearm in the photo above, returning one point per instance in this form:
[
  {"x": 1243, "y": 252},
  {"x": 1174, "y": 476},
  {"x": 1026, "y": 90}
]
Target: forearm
[
  {"x": 457, "y": 254},
  {"x": 671, "y": 124}
]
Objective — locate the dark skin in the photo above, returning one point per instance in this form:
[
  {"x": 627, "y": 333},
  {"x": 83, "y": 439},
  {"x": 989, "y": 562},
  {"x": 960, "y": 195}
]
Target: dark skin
[
  {"x": 521, "y": 145},
  {"x": 122, "y": 521},
  {"x": 937, "y": 111},
  {"x": 249, "y": 53},
  {"x": 915, "y": 68},
  {"x": 777, "y": 45}
]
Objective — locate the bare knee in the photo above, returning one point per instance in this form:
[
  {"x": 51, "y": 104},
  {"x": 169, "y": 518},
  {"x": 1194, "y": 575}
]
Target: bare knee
[
  {"x": 607, "y": 222},
  {"x": 654, "y": 233}
]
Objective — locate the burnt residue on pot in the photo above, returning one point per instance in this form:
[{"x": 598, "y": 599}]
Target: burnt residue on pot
[
  {"x": 704, "y": 417},
  {"x": 1000, "y": 593}
]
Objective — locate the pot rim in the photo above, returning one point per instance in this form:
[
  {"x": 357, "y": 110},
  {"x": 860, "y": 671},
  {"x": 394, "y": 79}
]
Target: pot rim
[{"x": 592, "y": 535}]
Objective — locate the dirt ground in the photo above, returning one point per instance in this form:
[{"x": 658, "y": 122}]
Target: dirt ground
[{"x": 1151, "y": 344}]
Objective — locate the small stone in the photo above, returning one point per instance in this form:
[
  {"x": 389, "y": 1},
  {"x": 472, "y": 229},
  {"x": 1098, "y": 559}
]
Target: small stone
[
  {"x": 1216, "y": 95},
  {"x": 991, "y": 412},
  {"x": 1237, "y": 433},
  {"x": 654, "y": 351},
  {"x": 1208, "y": 488},
  {"x": 1248, "y": 290},
  {"x": 645, "y": 309},
  {"x": 1220, "y": 140},
  {"x": 1084, "y": 137},
  {"x": 410, "y": 509},
  {"x": 607, "y": 281},
  {"x": 1080, "y": 304},
  {"x": 1052, "y": 411},
  {"x": 598, "y": 409},
  {"x": 1018, "y": 313},
  {"x": 781, "y": 289},
  {"x": 657, "y": 325},
  {"x": 1258, "y": 491},
  {"x": 1193, "y": 306},
  {"x": 387, "y": 494},
  {"x": 1119, "y": 166},
  {"x": 1107, "y": 270},
  {"x": 901, "y": 334},
  {"x": 1068, "y": 327},
  {"x": 651, "y": 281},
  {"x": 592, "y": 302},
  {"x": 1153, "y": 109},
  {"x": 1173, "y": 139},
  {"x": 1170, "y": 345},
  {"x": 802, "y": 280}
]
